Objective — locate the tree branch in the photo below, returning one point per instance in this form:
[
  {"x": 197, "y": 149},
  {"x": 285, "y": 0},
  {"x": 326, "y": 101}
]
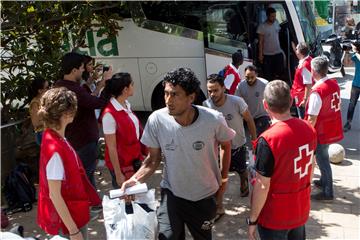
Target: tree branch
[{"x": 10, "y": 26}]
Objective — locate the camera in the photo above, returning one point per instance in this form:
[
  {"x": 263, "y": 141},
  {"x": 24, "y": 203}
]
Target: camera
[{"x": 106, "y": 68}]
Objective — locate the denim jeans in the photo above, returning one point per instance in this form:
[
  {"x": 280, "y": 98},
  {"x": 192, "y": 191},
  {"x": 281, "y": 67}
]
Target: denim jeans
[
  {"x": 88, "y": 155},
  {"x": 355, "y": 92},
  {"x": 287, "y": 234},
  {"x": 38, "y": 138},
  {"x": 301, "y": 112},
  {"x": 323, "y": 161},
  {"x": 83, "y": 230}
]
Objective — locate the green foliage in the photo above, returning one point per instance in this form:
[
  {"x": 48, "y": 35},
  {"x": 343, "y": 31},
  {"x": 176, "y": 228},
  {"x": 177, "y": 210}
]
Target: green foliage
[{"x": 33, "y": 34}]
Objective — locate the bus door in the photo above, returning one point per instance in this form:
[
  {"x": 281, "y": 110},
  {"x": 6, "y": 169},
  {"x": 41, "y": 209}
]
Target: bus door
[
  {"x": 225, "y": 32},
  {"x": 257, "y": 15}
]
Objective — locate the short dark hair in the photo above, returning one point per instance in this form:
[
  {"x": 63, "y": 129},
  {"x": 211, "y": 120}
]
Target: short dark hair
[
  {"x": 277, "y": 96},
  {"x": 269, "y": 11},
  {"x": 86, "y": 60},
  {"x": 237, "y": 57},
  {"x": 303, "y": 48},
  {"x": 216, "y": 78},
  {"x": 357, "y": 46},
  {"x": 70, "y": 61},
  {"x": 251, "y": 68},
  {"x": 116, "y": 84},
  {"x": 185, "y": 78}
]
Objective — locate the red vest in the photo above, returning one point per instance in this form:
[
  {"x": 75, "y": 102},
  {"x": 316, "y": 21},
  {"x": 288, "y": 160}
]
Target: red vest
[
  {"x": 128, "y": 145},
  {"x": 288, "y": 201},
  {"x": 76, "y": 189},
  {"x": 298, "y": 87},
  {"x": 328, "y": 124},
  {"x": 236, "y": 81}
]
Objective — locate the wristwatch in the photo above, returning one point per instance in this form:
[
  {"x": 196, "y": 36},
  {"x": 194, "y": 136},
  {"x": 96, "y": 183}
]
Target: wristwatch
[{"x": 250, "y": 222}]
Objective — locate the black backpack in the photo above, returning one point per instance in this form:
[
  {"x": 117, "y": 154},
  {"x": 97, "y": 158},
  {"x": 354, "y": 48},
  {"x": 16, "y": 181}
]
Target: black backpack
[{"x": 19, "y": 189}]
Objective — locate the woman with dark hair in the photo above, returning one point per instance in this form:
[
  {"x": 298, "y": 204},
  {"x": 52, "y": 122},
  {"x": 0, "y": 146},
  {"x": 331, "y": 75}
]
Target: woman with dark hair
[
  {"x": 88, "y": 78},
  {"x": 65, "y": 193},
  {"x": 37, "y": 88},
  {"x": 122, "y": 130}
]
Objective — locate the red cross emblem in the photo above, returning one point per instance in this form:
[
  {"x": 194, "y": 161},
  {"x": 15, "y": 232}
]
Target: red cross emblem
[
  {"x": 303, "y": 161},
  {"x": 335, "y": 101}
]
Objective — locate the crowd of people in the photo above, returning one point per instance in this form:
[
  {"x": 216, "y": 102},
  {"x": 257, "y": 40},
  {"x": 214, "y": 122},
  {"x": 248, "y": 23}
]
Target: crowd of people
[{"x": 198, "y": 145}]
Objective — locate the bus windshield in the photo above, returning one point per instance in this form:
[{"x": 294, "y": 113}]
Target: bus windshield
[{"x": 307, "y": 21}]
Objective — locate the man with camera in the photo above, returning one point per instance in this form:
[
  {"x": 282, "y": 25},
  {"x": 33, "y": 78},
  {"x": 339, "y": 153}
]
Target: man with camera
[{"x": 83, "y": 132}]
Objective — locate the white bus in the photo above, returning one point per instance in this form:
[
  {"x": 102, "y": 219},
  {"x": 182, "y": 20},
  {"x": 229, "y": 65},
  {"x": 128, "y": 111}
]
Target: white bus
[{"x": 157, "y": 37}]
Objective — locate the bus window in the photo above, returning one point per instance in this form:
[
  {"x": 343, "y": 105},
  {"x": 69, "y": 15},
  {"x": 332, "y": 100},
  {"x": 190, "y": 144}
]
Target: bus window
[
  {"x": 185, "y": 14},
  {"x": 280, "y": 13},
  {"x": 226, "y": 29},
  {"x": 307, "y": 21}
]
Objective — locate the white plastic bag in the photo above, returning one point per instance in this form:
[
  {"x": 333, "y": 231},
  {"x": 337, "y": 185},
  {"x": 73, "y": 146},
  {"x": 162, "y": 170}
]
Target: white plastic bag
[
  {"x": 122, "y": 226},
  {"x": 251, "y": 170}
]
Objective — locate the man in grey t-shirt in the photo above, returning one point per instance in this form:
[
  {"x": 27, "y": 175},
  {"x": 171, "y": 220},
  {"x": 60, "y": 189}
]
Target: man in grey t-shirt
[
  {"x": 252, "y": 91},
  {"x": 235, "y": 111},
  {"x": 270, "y": 52},
  {"x": 188, "y": 136}
]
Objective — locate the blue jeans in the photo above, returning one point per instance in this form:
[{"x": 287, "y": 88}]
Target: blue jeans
[
  {"x": 323, "y": 161},
  {"x": 301, "y": 112},
  {"x": 38, "y": 138},
  {"x": 286, "y": 234},
  {"x": 355, "y": 92},
  {"x": 88, "y": 155}
]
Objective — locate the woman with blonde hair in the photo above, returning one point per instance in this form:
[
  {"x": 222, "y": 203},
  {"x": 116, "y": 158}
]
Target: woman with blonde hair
[
  {"x": 37, "y": 88},
  {"x": 65, "y": 193}
]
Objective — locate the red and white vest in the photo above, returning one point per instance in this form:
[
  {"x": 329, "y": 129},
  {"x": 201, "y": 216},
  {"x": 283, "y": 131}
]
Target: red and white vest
[
  {"x": 237, "y": 79},
  {"x": 288, "y": 201},
  {"x": 328, "y": 124},
  {"x": 128, "y": 145},
  {"x": 76, "y": 189},
  {"x": 298, "y": 87}
]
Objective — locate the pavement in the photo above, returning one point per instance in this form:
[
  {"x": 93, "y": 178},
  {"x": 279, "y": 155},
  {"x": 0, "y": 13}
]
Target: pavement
[{"x": 336, "y": 220}]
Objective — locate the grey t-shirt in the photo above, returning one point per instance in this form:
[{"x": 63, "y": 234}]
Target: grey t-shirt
[
  {"x": 232, "y": 109},
  {"x": 191, "y": 168},
  {"x": 253, "y": 96},
  {"x": 271, "y": 37}
]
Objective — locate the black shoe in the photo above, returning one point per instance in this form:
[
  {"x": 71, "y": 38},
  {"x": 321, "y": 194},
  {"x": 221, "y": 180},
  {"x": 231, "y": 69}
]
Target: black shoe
[
  {"x": 96, "y": 209},
  {"x": 347, "y": 126},
  {"x": 317, "y": 183},
  {"x": 321, "y": 197}
]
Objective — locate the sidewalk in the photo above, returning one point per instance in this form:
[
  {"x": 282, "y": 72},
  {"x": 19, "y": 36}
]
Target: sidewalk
[{"x": 336, "y": 220}]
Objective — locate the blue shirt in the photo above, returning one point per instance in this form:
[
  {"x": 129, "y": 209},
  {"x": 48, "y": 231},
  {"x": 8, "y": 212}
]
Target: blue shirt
[{"x": 356, "y": 81}]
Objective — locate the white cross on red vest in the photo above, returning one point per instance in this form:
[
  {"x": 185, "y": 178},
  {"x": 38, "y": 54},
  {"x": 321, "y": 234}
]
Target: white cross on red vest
[
  {"x": 335, "y": 101},
  {"x": 303, "y": 161}
]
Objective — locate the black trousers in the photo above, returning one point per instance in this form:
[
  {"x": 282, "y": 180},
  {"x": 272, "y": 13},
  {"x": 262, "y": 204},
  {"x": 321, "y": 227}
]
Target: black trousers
[
  {"x": 355, "y": 92},
  {"x": 175, "y": 212},
  {"x": 273, "y": 66}
]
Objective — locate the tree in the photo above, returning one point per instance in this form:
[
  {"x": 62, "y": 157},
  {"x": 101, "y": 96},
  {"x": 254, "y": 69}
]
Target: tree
[{"x": 32, "y": 42}]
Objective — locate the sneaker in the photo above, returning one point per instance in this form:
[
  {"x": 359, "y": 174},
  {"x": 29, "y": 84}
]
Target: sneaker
[
  {"x": 317, "y": 183},
  {"x": 96, "y": 209},
  {"x": 347, "y": 126},
  {"x": 321, "y": 197}
]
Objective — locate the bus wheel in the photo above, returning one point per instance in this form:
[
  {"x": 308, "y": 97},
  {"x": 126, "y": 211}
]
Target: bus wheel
[{"x": 157, "y": 98}]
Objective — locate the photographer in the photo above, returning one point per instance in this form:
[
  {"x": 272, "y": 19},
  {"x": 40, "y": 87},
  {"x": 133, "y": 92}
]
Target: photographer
[{"x": 355, "y": 88}]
